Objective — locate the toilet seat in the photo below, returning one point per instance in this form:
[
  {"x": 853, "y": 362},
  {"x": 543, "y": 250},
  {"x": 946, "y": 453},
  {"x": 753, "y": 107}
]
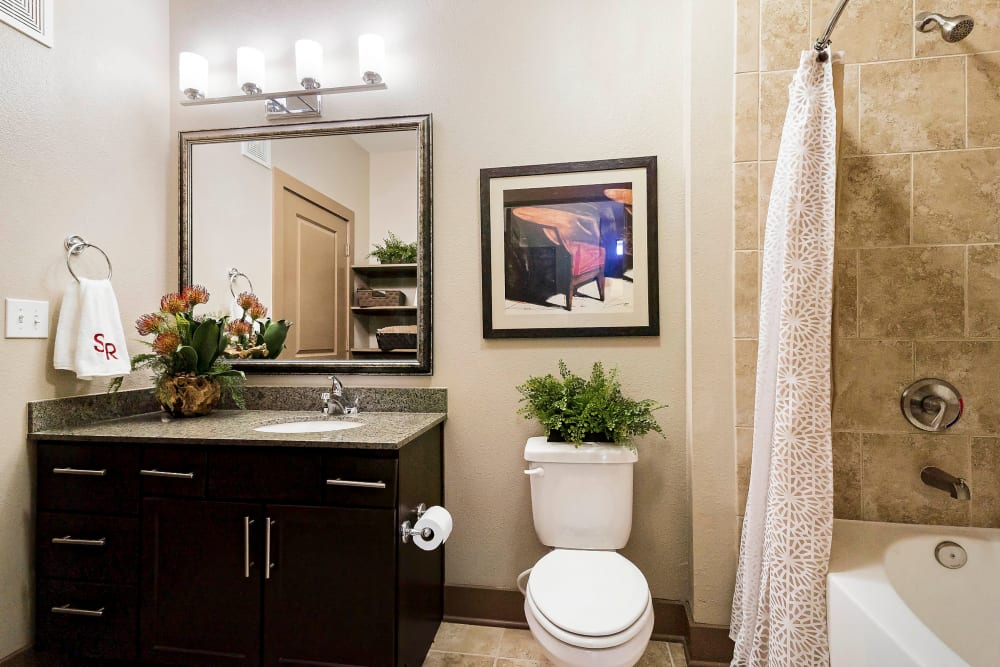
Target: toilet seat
[{"x": 590, "y": 599}]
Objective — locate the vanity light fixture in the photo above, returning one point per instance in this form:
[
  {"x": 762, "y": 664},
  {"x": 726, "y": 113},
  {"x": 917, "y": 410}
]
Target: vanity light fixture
[
  {"x": 250, "y": 70},
  {"x": 192, "y": 75},
  {"x": 305, "y": 103}
]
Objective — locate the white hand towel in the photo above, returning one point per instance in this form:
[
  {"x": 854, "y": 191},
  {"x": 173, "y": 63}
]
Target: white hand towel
[
  {"x": 64, "y": 356},
  {"x": 90, "y": 340}
]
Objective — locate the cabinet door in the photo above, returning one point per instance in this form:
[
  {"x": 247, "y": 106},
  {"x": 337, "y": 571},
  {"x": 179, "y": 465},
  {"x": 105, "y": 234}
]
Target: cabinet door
[
  {"x": 200, "y": 584},
  {"x": 329, "y": 595}
]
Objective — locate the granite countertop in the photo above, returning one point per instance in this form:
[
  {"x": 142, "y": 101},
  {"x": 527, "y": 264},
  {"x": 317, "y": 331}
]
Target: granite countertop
[{"x": 381, "y": 430}]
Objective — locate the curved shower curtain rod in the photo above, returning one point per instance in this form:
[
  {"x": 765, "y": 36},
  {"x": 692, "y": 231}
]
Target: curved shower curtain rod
[{"x": 823, "y": 43}]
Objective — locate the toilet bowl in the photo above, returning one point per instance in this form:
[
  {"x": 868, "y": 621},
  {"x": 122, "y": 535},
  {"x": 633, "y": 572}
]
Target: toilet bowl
[
  {"x": 586, "y": 604},
  {"x": 589, "y": 608}
]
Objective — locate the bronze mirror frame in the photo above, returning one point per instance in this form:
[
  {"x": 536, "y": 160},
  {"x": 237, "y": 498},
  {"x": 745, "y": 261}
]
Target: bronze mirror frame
[{"x": 423, "y": 364}]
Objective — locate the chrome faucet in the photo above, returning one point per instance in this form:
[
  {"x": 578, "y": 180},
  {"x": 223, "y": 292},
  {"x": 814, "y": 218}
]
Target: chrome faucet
[
  {"x": 939, "y": 479},
  {"x": 335, "y": 401}
]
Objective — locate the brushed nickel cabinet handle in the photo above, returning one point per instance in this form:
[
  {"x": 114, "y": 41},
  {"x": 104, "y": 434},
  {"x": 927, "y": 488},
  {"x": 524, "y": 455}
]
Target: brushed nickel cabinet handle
[
  {"x": 267, "y": 547},
  {"x": 74, "y": 611},
  {"x": 77, "y": 542},
  {"x": 170, "y": 475},
  {"x": 80, "y": 471},
  {"x": 363, "y": 485},
  {"x": 246, "y": 546}
]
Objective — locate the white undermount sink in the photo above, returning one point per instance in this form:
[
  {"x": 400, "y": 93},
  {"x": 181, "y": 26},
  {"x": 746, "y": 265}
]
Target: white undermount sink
[{"x": 308, "y": 427}]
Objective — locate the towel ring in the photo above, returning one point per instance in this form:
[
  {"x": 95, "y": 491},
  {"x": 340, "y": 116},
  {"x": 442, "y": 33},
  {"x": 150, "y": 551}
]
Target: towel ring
[
  {"x": 74, "y": 246},
  {"x": 235, "y": 274}
]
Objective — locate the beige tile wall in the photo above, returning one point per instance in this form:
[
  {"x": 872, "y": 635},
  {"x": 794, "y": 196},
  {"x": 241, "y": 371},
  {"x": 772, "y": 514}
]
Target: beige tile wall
[{"x": 917, "y": 267}]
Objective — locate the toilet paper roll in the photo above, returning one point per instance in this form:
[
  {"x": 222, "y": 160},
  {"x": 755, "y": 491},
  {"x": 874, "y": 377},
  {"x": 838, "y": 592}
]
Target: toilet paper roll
[{"x": 437, "y": 519}]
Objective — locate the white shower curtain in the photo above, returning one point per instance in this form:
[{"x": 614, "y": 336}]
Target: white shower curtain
[{"x": 779, "y": 608}]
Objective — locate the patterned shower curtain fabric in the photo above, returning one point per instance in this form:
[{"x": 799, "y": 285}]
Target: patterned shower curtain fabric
[{"x": 779, "y": 607}]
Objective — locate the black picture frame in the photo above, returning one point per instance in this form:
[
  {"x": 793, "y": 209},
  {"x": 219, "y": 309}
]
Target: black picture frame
[{"x": 570, "y": 249}]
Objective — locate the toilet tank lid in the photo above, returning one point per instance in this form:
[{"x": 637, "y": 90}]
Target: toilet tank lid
[{"x": 541, "y": 450}]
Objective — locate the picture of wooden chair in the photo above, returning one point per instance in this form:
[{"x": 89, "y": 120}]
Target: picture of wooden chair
[{"x": 554, "y": 249}]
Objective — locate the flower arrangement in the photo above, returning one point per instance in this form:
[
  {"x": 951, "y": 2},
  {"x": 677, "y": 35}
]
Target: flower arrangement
[
  {"x": 186, "y": 362},
  {"x": 254, "y": 335},
  {"x": 574, "y": 409}
]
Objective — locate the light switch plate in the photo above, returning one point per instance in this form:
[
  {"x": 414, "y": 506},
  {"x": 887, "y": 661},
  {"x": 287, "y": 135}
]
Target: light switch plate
[{"x": 27, "y": 319}]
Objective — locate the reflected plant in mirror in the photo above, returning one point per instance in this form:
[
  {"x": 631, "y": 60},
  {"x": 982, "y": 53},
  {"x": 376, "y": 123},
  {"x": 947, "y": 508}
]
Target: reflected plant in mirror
[
  {"x": 252, "y": 334},
  {"x": 305, "y": 210}
]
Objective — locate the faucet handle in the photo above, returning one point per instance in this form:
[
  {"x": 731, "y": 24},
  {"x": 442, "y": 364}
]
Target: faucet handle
[{"x": 338, "y": 386}]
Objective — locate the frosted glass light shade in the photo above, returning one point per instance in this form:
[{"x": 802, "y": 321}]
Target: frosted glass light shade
[
  {"x": 192, "y": 74},
  {"x": 371, "y": 57},
  {"x": 250, "y": 69},
  {"x": 308, "y": 63}
]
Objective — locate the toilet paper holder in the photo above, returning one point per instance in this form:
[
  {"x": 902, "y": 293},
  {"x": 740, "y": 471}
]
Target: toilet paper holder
[{"x": 406, "y": 530}]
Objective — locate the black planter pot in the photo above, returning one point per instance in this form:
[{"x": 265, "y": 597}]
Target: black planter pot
[{"x": 557, "y": 436}]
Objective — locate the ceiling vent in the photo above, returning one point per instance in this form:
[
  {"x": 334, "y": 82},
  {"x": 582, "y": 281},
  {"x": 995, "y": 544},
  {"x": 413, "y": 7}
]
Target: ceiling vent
[
  {"x": 258, "y": 151},
  {"x": 32, "y": 17}
]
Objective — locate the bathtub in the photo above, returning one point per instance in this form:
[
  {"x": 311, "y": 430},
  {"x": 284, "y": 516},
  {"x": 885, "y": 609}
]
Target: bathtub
[{"x": 891, "y": 604}]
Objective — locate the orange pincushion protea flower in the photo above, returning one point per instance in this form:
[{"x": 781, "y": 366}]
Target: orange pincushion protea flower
[
  {"x": 149, "y": 323},
  {"x": 173, "y": 303},
  {"x": 247, "y": 300},
  {"x": 195, "y": 294},
  {"x": 166, "y": 343},
  {"x": 239, "y": 328},
  {"x": 258, "y": 311}
]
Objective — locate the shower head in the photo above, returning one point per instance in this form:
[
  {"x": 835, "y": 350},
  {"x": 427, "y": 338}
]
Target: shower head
[{"x": 953, "y": 28}]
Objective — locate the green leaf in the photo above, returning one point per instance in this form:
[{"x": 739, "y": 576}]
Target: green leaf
[
  {"x": 187, "y": 358},
  {"x": 274, "y": 336},
  {"x": 206, "y": 342}
]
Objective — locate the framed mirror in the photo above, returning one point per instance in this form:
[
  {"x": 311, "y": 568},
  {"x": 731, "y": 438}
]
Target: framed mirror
[{"x": 293, "y": 214}]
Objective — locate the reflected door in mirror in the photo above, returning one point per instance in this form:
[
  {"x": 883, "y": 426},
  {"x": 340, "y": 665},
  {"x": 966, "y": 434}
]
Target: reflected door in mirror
[{"x": 312, "y": 240}]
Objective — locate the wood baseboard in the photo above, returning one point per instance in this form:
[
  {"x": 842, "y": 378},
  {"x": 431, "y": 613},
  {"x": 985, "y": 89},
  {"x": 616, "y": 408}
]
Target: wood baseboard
[{"x": 706, "y": 645}]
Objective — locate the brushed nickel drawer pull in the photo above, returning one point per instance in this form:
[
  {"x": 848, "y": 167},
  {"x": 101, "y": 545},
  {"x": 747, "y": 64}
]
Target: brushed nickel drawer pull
[
  {"x": 246, "y": 546},
  {"x": 170, "y": 475},
  {"x": 80, "y": 471},
  {"x": 77, "y": 542},
  {"x": 73, "y": 611},
  {"x": 268, "y": 522},
  {"x": 347, "y": 482}
]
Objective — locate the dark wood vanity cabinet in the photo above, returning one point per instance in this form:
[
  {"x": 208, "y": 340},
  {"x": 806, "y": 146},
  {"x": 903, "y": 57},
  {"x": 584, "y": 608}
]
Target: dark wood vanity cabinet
[{"x": 228, "y": 555}]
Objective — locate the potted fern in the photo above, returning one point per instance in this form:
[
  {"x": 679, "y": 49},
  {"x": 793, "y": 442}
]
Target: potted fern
[
  {"x": 576, "y": 410},
  {"x": 394, "y": 251}
]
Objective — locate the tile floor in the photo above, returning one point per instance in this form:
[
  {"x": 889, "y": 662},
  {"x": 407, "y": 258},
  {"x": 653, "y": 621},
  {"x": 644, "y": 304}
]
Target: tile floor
[
  {"x": 481, "y": 646},
  {"x": 469, "y": 646}
]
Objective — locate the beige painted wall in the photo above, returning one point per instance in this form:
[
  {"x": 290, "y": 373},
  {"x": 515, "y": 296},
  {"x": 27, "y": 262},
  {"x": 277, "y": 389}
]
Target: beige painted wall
[
  {"x": 84, "y": 148},
  {"x": 523, "y": 82}
]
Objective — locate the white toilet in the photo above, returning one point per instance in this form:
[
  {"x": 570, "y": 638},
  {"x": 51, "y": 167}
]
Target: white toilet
[{"x": 587, "y": 605}]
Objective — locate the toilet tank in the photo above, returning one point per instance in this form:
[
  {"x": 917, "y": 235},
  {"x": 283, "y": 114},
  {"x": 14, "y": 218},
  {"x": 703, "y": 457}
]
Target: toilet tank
[{"x": 582, "y": 496}]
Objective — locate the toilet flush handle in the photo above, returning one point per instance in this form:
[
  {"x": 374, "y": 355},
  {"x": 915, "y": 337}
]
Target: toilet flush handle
[{"x": 540, "y": 471}]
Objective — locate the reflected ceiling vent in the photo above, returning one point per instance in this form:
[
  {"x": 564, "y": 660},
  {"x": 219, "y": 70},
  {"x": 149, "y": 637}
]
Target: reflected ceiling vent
[
  {"x": 32, "y": 17},
  {"x": 258, "y": 151}
]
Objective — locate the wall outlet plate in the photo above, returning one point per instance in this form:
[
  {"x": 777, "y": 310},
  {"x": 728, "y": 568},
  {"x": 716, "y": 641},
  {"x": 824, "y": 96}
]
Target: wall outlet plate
[{"x": 27, "y": 319}]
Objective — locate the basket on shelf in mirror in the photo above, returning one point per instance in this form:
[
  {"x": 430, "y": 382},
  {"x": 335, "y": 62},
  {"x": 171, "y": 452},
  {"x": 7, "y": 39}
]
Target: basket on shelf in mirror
[{"x": 189, "y": 374}]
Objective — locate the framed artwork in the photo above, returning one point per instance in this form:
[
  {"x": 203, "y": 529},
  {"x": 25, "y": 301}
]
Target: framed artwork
[{"x": 569, "y": 249}]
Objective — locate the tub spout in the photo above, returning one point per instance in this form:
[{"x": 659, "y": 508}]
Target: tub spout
[{"x": 939, "y": 479}]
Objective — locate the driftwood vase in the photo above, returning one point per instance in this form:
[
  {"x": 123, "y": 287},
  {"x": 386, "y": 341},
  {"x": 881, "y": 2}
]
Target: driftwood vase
[{"x": 188, "y": 395}]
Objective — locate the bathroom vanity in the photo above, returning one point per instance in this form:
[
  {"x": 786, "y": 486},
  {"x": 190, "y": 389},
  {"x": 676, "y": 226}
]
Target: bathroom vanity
[{"x": 204, "y": 542}]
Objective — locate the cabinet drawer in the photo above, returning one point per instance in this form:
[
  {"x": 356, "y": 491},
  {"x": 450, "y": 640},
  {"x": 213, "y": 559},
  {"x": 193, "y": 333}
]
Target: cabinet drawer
[
  {"x": 80, "y": 546},
  {"x": 173, "y": 472},
  {"x": 88, "y": 478},
  {"x": 265, "y": 474},
  {"x": 90, "y": 620},
  {"x": 359, "y": 481}
]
